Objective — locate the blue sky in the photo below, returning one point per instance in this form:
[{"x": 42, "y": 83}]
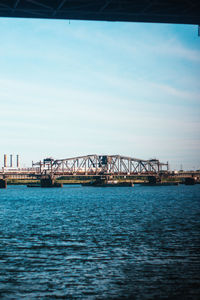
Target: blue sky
[{"x": 69, "y": 89}]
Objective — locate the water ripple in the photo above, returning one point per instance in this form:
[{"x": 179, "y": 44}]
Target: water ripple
[{"x": 96, "y": 243}]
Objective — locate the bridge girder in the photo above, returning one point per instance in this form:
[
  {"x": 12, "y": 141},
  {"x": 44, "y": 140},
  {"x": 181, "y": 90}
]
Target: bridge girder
[
  {"x": 157, "y": 11},
  {"x": 102, "y": 164}
]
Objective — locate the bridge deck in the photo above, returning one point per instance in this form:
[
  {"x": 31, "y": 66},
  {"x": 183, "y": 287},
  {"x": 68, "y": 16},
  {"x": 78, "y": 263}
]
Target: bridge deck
[{"x": 160, "y": 11}]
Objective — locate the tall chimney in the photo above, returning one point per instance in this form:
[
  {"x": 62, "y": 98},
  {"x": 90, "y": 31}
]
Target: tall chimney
[
  {"x": 11, "y": 160},
  {"x": 17, "y": 161},
  {"x": 5, "y": 160}
]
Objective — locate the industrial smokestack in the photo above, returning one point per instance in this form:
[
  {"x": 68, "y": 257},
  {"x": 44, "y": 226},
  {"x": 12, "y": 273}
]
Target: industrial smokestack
[
  {"x": 17, "y": 161},
  {"x": 5, "y": 160},
  {"x": 11, "y": 161}
]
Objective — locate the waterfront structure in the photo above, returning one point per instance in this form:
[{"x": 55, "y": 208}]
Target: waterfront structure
[
  {"x": 17, "y": 161},
  {"x": 5, "y": 160},
  {"x": 101, "y": 164},
  {"x": 11, "y": 161},
  {"x": 94, "y": 165}
]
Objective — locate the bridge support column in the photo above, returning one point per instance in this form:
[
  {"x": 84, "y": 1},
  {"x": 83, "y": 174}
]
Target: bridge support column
[
  {"x": 3, "y": 183},
  {"x": 190, "y": 181},
  {"x": 154, "y": 179},
  {"x": 48, "y": 181}
]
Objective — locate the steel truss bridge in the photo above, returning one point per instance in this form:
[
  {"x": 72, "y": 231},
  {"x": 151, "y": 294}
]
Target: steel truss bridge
[
  {"x": 157, "y": 11},
  {"x": 100, "y": 164}
]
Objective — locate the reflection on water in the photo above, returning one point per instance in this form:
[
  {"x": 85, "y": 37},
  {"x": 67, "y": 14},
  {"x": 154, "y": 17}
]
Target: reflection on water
[{"x": 100, "y": 243}]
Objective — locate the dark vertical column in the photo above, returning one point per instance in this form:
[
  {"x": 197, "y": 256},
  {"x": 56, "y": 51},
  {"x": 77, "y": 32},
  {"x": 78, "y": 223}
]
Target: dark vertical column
[
  {"x": 17, "y": 157},
  {"x": 5, "y": 160},
  {"x": 11, "y": 160}
]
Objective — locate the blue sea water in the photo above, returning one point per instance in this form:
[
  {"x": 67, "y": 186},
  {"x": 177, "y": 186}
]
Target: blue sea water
[{"x": 100, "y": 243}]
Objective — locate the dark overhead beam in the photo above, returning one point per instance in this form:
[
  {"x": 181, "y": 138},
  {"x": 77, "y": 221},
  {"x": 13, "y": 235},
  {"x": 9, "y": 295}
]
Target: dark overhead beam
[
  {"x": 157, "y": 11},
  {"x": 34, "y": 14},
  {"x": 105, "y": 5},
  {"x": 147, "y": 6},
  {"x": 4, "y": 6},
  {"x": 59, "y": 7},
  {"x": 16, "y": 3},
  {"x": 188, "y": 8},
  {"x": 38, "y": 3}
]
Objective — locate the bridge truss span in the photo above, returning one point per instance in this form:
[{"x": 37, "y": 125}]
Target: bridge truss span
[{"x": 102, "y": 164}]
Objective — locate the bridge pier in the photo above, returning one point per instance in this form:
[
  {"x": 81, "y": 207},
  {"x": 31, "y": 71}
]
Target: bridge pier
[
  {"x": 190, "y": 181},
  {"x": 48, "y": 181},
  {"x": 3, "y": 183},
  {"x": 154, "y": 179}
]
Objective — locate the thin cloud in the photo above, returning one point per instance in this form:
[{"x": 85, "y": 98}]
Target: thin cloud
[{"x": 173, "y": 47}]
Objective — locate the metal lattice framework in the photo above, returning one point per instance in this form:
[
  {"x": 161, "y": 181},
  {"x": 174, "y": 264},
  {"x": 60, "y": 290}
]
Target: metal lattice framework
[
  {"x": 158, "y": 11},
  {"x": 101, "y": 164}
]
